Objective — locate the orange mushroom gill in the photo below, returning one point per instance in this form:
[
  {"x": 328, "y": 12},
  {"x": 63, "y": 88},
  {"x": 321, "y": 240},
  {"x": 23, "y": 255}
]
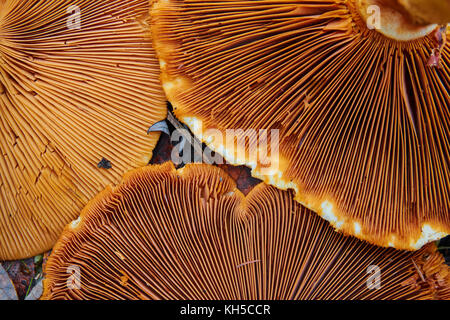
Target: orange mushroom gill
[
  {"x": 363, "y": 119},
  {"x": 190, "y": 234},
  {"x": 79, "y": 81}
]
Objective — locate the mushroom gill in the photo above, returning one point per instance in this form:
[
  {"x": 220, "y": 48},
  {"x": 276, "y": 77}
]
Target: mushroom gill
[
  {"x": 79, "y": 82},
  {"x": 190, "y": 234},
  {"x": 363, "y": 118}
]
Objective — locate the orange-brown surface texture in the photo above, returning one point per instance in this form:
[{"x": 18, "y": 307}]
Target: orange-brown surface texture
[
  {"x": 190, "y": 234},
  {"x": 68, "y": 98},
  {"x": 364, "y": 120}
]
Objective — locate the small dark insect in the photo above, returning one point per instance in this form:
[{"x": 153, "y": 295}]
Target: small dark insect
[{"x": 104, "y": 164}]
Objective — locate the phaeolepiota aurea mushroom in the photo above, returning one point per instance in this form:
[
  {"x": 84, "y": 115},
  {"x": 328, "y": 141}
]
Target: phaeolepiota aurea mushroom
[
  {"x": 190, "y": 234},
  {"x": 363, "y": 114},
  {"x": 79, "y": 83}
]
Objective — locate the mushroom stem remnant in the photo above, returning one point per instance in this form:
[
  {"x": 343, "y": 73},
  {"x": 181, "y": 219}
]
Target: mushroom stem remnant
[
  {"x": 425, "y": 12},
  {"x": 404, "y": 20}
]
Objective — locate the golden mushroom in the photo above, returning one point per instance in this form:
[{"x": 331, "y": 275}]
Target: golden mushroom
[
  {"x": 79, "y": 87},
  {"x": 190, "y": 234},
  {"x": 361, "y": 104}
]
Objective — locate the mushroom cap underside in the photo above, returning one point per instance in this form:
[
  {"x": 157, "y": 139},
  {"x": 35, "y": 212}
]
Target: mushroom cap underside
[
  {"x": 190, "y": 234},
  {"x": 79, "y": 82},
  {"x": 363, "y": 120}
]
